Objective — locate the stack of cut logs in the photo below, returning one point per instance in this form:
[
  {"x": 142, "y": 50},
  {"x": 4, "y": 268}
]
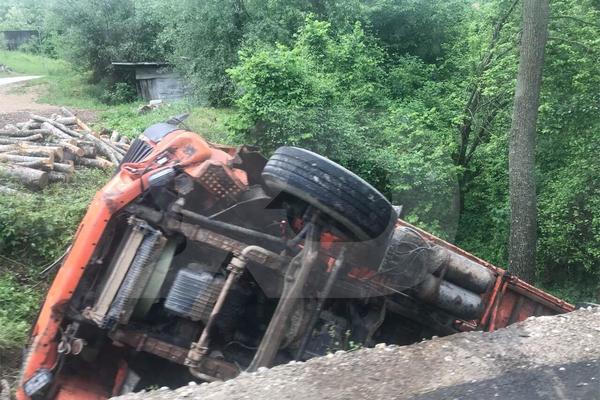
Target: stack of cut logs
[{"x": 44, "y": 150}]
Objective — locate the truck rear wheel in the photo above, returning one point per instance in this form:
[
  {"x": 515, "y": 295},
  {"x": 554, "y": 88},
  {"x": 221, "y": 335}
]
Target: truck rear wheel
[{"x": 342, "y": 195}]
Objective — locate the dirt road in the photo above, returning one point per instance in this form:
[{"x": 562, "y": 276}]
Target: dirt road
[
  {"x": 541, "y": 358},
  {"x": 15, "y": 79},
  {"x": 18, "y": 100}
]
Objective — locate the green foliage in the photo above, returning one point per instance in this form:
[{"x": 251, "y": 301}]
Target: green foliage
[
  {"x": 334, "y": 93},
  {"x": 209, "y": 34},
  {"x": 64, "y": 85},
  {"x": 312, "y": 94},
  {"x": 36, "y": 228},
  {"x": 119, "y": 93},
  {"x": 414, "y": 95},
  {"x": 20, "y": 14},
  {"x": 98, "y": 32},
  {"x": 18, "y": 304},
  {"x": 209, "y": 122}
]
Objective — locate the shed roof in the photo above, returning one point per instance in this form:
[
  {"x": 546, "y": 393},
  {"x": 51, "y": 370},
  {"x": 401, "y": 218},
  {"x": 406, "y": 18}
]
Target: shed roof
[{"x": 141, "y": 64}]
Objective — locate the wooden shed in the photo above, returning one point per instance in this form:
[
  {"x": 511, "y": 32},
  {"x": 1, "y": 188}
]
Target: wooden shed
[
  {"x": 154, "y": 80},
  {"x": 15, "y": 39}
]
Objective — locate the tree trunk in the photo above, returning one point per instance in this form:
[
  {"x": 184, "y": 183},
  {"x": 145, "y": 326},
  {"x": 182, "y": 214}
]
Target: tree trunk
[{"x": 521, "y": 157}]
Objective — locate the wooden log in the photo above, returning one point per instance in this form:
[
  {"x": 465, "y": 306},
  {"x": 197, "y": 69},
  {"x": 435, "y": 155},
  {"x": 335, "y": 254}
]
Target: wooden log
[
  {"x": 113, "y": 146},
  {"x": 94, "y": 162},
  {"x": 8, "y": 147},
  {"x": 65, "y": 167},
  {"x": 24, "y": 133},
  {"x": 82, "y": 125},
  {"x": 124, "y": 147},
  {"x": 15, "y": 158},
  {"x": 103, "y": 148},
  {"x": 67, "y": 112},
  {"x": 55, "y": 131},
  {"x": 42, "y": 164},
  {"x": 31, "y": 124},
  {"x": 67, "y": 120},
  {"x": 7, "y": 190},
  {"x": 32, "y": 178},
  {"x": 39, "y": 151},
  {"x": 77, "y": 151},
  {"x": 115, "y": 136},
  {"x": 13, "y": 140},
  {"x": 55, "y": 176},
  {"x": 58, "y": 125},
  {"x": 89, "y": 149},
  {"x": 10, "y": 128}
]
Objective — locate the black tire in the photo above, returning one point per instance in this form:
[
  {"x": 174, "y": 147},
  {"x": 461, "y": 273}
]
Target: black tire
[{"x": 343, "y": 196}]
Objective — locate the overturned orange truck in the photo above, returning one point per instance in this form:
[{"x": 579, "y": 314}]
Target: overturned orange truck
[{"x": 198, "y": 261}]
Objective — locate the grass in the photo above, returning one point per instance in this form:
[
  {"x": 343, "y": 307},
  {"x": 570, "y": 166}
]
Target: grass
[
  {"x": 65, "y": 85},
  {"x": 211, "y": 123},
  {"x": 35, "y": 229},
  {"x": 69, "y": 87}
]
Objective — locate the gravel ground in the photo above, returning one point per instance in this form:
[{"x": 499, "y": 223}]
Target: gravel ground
[{"x": 542, "y": 358}]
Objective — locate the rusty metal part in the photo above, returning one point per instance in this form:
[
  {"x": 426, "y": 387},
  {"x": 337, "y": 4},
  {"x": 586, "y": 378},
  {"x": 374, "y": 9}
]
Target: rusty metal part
[
  {"x": 294, "y": 281},
  {"x": 333, "y": 276},
  {"x": 199, "y": 349},
  {"x": 465, "y": 272},
  {"x": 450, "y": 297},
  {"x": 196, "y": 356},
  {"x": 220, "y": 181},
  {"x": 215, "y": 369},
  {"x": 226, "y": 227},
  {"x": 193, "y": 232}
]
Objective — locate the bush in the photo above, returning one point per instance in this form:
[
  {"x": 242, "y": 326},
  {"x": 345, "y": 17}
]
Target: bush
[
  {"x": 334, "y": 93},
  {"x": 119, "y": 93}
]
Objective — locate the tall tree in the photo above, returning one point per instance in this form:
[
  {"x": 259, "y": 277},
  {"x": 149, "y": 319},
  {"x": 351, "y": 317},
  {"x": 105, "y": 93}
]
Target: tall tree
[{"x": 521, "y": 155}]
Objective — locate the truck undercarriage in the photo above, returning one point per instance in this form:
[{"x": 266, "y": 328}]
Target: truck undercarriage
[{"x": 198, "y": 261}]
